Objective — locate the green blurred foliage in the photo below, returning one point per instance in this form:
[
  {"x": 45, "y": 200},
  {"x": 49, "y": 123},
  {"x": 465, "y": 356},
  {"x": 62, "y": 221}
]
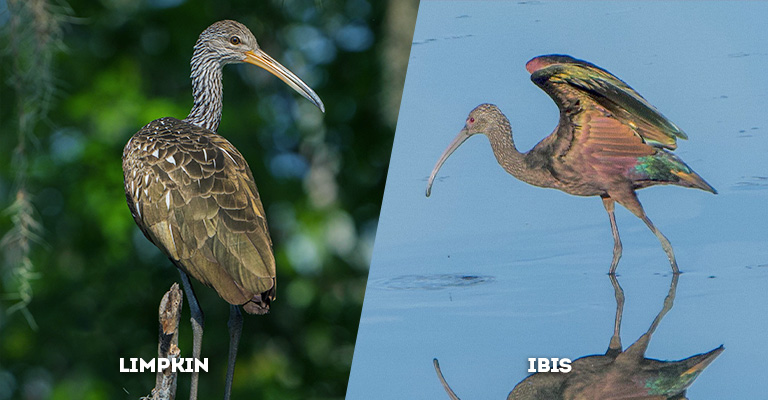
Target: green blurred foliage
[{"x": 98, "y": 281}]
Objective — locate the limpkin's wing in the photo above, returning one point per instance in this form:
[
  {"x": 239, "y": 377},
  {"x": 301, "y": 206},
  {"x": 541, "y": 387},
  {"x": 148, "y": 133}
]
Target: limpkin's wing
[
  {"x": 568, "y": 80},
  {"x": 193, "y": 195}
]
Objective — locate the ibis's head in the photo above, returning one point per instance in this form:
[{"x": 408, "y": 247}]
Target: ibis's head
[
  {"x": 231, "y": 42},
  {"x": 478, "y": 122}
]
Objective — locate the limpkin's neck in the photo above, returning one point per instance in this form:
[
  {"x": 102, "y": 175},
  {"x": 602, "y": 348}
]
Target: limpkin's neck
[
  {"x": 513, "y": 161},
  {"x": 206, "y": 90}
]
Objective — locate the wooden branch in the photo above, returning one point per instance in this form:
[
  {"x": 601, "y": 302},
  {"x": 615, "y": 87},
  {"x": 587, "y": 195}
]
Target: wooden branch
[{"x": 170, "y": 314}]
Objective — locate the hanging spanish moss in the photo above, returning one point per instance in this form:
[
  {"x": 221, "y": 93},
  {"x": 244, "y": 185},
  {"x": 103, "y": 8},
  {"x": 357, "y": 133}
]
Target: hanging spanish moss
[{"x": 32, "y": 36}]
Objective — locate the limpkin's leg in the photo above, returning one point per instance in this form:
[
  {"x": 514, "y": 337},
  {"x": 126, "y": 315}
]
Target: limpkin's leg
[
  {"x": 608, "y": 203},
  {"x": 235, "y": 325},
  {"x": 198, "y": 322},
  {"x": 630, "y": 201},
  {"x": 614, "y": 347}
]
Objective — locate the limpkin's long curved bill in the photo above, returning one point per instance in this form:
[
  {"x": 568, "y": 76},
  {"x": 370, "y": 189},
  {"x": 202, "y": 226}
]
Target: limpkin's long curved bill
[
  {"x": 261, "y": 59},
  {"x": 457, "y": 141}
]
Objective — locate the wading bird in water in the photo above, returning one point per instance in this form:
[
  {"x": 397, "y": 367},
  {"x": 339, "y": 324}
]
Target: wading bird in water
[
  {"x": 193, "y": 196},
  {"x": 609, "y": 142}
]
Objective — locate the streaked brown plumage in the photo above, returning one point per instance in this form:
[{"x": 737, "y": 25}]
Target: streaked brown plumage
[
  {"x": 193, "y": 195},
  {"x": 609, "y": 142}
]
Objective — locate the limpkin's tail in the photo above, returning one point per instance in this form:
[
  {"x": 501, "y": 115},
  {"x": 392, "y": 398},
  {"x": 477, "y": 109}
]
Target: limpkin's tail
[{"x": 259, "y": 303}]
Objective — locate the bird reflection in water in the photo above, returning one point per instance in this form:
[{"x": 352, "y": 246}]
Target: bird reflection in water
[
  {"x": 609, "y": 142},
  {"x": 617, "y": 374}
]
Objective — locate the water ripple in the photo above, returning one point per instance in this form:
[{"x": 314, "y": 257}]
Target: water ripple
[
  {"x": 752, "y": 183},
  {"x": 430, "y": 40},
  {"x": 433, "y": 282}
]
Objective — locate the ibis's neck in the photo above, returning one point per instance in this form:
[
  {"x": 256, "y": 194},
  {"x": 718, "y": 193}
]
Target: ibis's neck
[
  {"x": 513, "y": 161},
  {"x": 207, "y": 92}
]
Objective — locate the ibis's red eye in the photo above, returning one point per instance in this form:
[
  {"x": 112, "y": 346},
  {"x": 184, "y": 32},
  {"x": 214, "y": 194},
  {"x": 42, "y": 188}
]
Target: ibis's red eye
[{"x": 471, "y": 120}]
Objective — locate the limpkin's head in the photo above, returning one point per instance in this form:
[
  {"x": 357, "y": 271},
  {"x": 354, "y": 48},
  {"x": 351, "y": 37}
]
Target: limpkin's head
[
  {"x": 231, "y": 42},
  {"x": 479, "y": 121}
]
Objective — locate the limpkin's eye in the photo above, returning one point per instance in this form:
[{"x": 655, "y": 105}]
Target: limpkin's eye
[
  {"x": 234, "y": 40},
  {"x": 471, "y": 120}
]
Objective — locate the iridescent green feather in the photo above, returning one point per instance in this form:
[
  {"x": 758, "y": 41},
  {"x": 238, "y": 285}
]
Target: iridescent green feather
[
  {"x": 611, "y": 93},
  {"x": 614, "y": 93},
  {"x": 670, "y": 385},
  {"x": 662, "y": 166},
  {"x": 667, "y": 167}
]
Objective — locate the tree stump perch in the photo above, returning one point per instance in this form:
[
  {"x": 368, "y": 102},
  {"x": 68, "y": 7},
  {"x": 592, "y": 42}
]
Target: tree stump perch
[{"x": 170, "y": 315}]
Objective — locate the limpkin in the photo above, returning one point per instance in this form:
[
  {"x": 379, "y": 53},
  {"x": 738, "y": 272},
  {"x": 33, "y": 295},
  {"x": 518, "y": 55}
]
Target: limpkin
[
  {"x": 618, "y": 373},
  {"x": 609, "y": 142},
  {"x": 193, "y": 195}
]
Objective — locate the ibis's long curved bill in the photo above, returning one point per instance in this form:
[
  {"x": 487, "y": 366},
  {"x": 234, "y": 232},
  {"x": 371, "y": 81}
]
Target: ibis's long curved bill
[
  {"x": 457, "y": 141},
  {"x": 261, "y": 59}
]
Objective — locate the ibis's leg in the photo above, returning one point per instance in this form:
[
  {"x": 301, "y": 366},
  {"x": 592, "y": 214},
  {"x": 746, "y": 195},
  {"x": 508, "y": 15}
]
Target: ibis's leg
[
  {"x": 614, "y": 347},
  {"x": 641, "y": 345},
  {"x": 668, "y": 301},
  {"x": 630, "y": 201},
  {"x": 235, "y": 325},
  {"x": 608, "y": 203},
  {"x": 198, "y": 322},
  {"x": 664, "y": 244}
]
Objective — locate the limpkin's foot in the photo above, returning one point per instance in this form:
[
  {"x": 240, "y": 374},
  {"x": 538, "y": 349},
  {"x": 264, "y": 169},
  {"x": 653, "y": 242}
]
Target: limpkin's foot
[
  {"x": 235, "y": 325},
  {"x": 198, "y": 322}
]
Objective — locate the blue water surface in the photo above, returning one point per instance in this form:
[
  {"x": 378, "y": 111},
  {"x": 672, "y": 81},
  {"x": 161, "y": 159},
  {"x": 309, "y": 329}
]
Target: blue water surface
[{"x": 489, "y": 271}]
